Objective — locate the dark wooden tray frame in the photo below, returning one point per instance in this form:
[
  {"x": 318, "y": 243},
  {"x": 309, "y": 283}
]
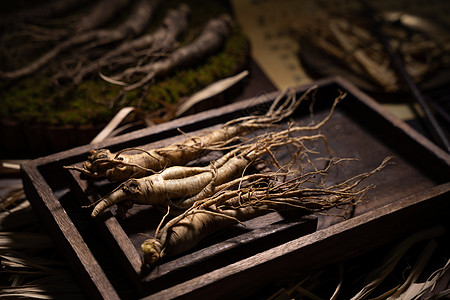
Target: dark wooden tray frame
[{"x": 45, "y": 181}]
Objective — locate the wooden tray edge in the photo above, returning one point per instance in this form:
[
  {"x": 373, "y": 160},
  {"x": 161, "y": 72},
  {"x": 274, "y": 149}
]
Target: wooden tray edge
[{"x": 90, "y": 275}]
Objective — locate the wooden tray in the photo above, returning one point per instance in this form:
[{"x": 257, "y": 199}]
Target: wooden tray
[{"x": 104, "y": 252}]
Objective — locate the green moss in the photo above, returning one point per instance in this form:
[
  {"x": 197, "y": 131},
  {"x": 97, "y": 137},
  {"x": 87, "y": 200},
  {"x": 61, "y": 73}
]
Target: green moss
[{"x": 37, "y": 100}]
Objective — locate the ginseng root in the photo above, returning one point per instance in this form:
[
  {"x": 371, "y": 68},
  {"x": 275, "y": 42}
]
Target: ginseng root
[
  {"x": 132, "y": 26},
  {"x": 209, "y": 41},
  {"x": 179, "y": 182},
  {"x": 187, "y": 232},
  {"x": 163, "y": 39},
  {"x": 172, "y": 183},
  {"x": 230, "y": 207},
  {"x": 122, "y": 166}
]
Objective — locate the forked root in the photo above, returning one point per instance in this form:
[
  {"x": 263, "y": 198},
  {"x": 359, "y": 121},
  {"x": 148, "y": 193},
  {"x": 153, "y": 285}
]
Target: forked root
[
  {"x": 228, "y": 207},
  {"x": 187, "y": 185}
]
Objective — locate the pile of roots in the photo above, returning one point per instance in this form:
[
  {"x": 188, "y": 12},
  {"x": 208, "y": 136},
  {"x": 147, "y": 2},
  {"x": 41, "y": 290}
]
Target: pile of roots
[
  {"x": 93, "y": 58},
  {"x": 253, "y": 176}
]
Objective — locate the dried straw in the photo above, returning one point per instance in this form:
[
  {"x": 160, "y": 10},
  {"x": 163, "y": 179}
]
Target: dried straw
[{"x": 27, "y": 255}]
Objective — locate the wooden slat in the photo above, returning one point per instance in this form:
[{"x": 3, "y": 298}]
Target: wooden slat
[
  {"x": 88, "y": 272},
  {"x": 119, "y": 243}
]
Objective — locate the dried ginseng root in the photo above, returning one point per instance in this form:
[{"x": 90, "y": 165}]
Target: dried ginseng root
[
  {"x": 174, "y": 184},
  {"x": 210, "y": 40},
  {"x": 121, "y": 166},
  {"x": 140, "y": 16},
  {"x": 161, "y": 40},
  {"x": 229, "y": 207}
]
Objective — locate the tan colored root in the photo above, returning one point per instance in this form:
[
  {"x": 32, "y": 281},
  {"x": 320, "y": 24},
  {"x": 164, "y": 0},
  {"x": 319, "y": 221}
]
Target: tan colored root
[
  {"x": 192, "y": 184},
  {"x": 185, "y": 233},
  {"x": 163, "y": 39},
  {"x": 210, "y": 40},
  {"x": 235, "y": 163},
  {"x": 122, "y": 166},
  {"x": 133, "y": 25},
  {"x": 197, "y": 183},
  {"x": 157, "y": 189},
  {"x": 229, "y": 207}
]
